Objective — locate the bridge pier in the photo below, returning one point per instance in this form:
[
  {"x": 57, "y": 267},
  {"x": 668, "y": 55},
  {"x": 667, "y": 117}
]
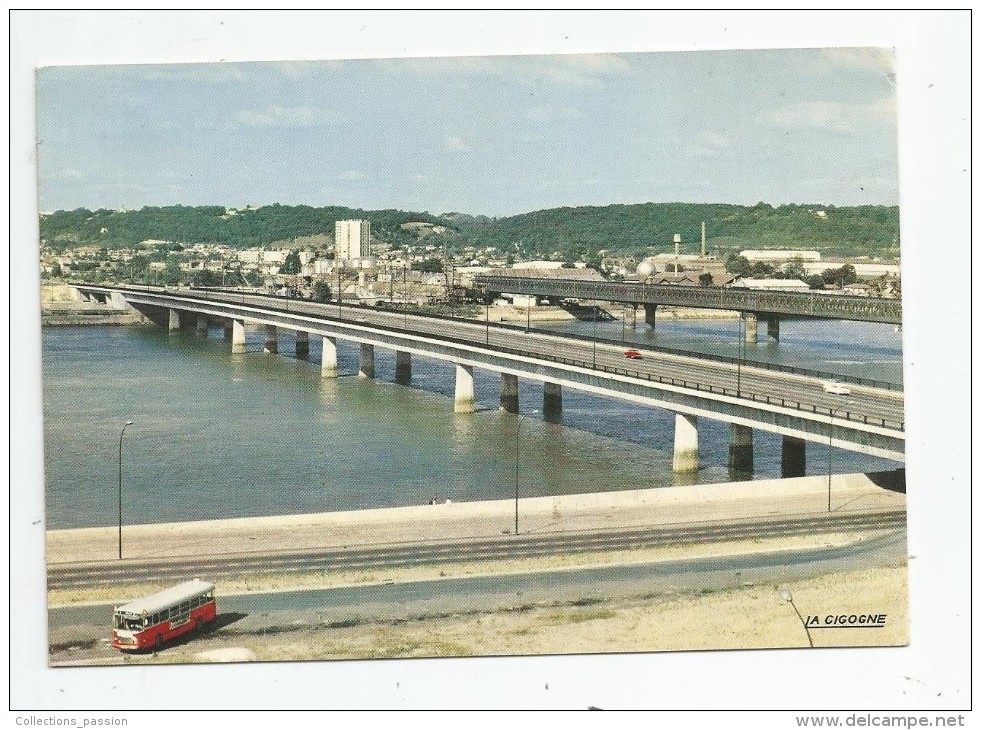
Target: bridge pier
[
  {"x": 509, "y": 393},
  {"x": 463, "y": 401},
  {"x": 272, "y": 342},
  {"x": 740, "y": 449},
  {"x": 650, "y": 314},
  {"x": 773, "y": 329},
  {"x": 403, "y": 367},
  {"x": 174, "y": 323},
  {"x": 552, "y": 401},
  {"x": 328, "y": 360},
  {"x": 238, "y": 335},
  {"x": 793, "y": 458},
  {"x": 202, "y": 325},
  {"x": 366, "y": 366},
  {"x": 685, "y": 443},
  {"x": 750, "y": 323},
  {"x": 302, "y": 345},
  {"x": 631, "y": 313}
]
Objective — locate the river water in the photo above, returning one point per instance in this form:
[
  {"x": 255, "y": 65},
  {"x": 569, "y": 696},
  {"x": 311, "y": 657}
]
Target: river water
[{"x": 217, "y": 435}]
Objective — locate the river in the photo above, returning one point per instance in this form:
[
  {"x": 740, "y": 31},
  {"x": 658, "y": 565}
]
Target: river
[{"x": 217, "y": 435}]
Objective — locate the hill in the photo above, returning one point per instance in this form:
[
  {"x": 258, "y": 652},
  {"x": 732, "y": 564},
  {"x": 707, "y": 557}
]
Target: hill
[{"x": 561, "y": 233}]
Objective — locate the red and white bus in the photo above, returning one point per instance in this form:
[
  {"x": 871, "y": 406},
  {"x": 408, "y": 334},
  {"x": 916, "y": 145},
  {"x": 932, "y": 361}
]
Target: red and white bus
[{"x": 150, "y": 621}]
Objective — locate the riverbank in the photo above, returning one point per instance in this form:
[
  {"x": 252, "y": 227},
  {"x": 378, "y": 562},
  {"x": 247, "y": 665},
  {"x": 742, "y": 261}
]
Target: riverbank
[{"x": 645, "y": 508}]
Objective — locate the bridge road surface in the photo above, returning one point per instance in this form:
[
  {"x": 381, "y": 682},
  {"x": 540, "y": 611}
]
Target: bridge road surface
[{"x": 751, "y": 380}]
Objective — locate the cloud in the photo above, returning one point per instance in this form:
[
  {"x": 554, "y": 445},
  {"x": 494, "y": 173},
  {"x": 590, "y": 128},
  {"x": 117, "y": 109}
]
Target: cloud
[
  {"x": 217, "y": 73},
  {"x": 294, "y": 116},
  {"x": 68, "y": 173},
  {"x": 456, "y": 144},
  {"x": 709, "y": 144},
  {"x": 549, "y": 113},
  {"x": 351, "y": 175},
  {"x": 866, "y": 59},
  {"x": 571, "y": 71},
  {"x": 832, "y": 116}
]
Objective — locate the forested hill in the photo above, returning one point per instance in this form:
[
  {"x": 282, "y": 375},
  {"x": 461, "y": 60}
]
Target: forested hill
[{"x": 571, "y": 232}]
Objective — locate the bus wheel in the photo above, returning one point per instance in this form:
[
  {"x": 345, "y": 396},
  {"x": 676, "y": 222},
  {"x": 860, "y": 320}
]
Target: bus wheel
[{"x": 199, "y": 627}]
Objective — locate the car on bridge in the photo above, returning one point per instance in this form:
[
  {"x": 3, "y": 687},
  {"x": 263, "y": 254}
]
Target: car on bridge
[
  {"x": 836, "y": 387},
  {"x": 633, "y": 355}
]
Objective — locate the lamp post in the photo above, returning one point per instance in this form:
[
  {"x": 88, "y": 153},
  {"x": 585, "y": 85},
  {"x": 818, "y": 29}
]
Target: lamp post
[
  {"x": 128, "y": 423},
  {"x": 831, "y": 430},
  {"x": 595, "y": 315},
  {"x": 742, "y": 353},
  {"x": 517, "y": 435}
]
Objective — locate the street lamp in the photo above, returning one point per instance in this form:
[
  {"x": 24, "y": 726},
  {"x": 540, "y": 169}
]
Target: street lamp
[
  {"x": 517, "y": 434},
  {"x": 128, "y": 423},
  {"x": 831, "y": 430},
  {"x": 595, "y": 315}
]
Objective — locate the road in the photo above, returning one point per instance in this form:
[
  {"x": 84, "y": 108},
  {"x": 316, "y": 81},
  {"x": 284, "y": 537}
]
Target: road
[
  {"x": 388, "y": 601},
  {"x": 803, "y": 393}
]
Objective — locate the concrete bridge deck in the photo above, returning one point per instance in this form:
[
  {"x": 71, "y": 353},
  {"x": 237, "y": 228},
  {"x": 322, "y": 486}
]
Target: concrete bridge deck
[{"x": 869, "y": 420}]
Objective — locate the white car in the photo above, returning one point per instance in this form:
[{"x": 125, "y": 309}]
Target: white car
[{"x": 836, "y": 388}]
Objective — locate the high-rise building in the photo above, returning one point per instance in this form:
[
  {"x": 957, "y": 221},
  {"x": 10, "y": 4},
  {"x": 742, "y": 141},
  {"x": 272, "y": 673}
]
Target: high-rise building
[{"x": 352, "y": 240}]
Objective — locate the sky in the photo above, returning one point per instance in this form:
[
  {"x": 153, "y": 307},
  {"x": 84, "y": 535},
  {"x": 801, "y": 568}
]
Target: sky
[{"x": 491, "y": 135}]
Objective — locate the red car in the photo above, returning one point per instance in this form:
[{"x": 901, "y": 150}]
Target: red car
[{"x": 633, "y": 355}]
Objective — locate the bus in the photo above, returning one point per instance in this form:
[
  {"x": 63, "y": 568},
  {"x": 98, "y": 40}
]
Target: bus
[{"x": 149, "y": 622}]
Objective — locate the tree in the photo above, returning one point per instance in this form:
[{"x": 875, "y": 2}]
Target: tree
[
  {"x": 761, "y": 270},
  {"x": 795, "y": 269},
  {"x": 738, "y": 265},
  {"x": 321, "y": 291},
  {"x": 55, "y": 269},
  {"x": 292, "y": 263},
  {"x": 815, "y": 281},
  {"x": 705, "y": 279}
]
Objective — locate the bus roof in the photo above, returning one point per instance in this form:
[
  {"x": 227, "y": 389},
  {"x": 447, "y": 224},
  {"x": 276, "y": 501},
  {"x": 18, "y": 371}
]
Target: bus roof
[{"x": 167, "y": 597}]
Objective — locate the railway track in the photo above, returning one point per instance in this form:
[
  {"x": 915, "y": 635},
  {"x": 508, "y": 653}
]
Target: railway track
[{"x": 505, "y": 547}]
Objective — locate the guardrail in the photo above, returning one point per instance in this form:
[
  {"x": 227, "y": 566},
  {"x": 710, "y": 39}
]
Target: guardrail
[
  {"x": 201, "y": 295},
  {"x": 773, "y": 367}
]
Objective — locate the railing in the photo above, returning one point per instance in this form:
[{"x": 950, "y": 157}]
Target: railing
[
  {"x": 648, "y": 377},
  {"x": 805, "y": 304},
  {"x": 772, "y": 367}
]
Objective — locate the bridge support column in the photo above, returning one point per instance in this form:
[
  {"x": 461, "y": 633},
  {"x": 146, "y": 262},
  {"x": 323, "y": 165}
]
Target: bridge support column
[
  {"x": 793, "y": 459},
  {"x": 509, "y": 392},
  {"x": 749, "y": 320},
  {"x": 272, "y": 343},
  {"x": 175, "y": 320},
  {"x": 227, "y": 328},
  {"x": 631, "y": 314},
  {"x": 238, "y": 335},
  {"x": 650, "y": 313},
  {"x": 328, "y": 360},
  {"x": 740, "y": 448},
  {"x": 463, "y": 401},
  {"x": 403, "y": 367},
  {"x": 366, "y": 367},
  {"x": 202, "y": 325},
  {"x": 685, "y": 443},
  {"x": 552, "y": 401},
  {"x": 773, "y": 329},
  {"x": 302, "y": 345}
]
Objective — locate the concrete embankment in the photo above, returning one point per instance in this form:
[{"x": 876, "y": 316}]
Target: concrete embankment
[
  {"x": 60, "y": 307},
  {"x": 764, "y": 499}
]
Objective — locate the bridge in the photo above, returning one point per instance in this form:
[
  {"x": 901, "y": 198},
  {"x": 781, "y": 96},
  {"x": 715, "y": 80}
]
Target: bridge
[
  {"x": 754, "y": 305},
  {"x": 794, "y": 405}
]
